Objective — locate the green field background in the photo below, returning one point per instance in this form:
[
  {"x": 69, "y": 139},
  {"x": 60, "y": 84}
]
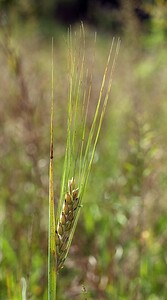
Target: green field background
[{"x": 119, "y": 249}]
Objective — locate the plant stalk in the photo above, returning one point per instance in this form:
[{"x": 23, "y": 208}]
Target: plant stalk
[{"x": 51, "y": 230}]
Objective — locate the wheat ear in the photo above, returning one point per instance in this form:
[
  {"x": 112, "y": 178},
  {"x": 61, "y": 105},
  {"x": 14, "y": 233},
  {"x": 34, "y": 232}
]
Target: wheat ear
[{"x": 66, "y": 221}]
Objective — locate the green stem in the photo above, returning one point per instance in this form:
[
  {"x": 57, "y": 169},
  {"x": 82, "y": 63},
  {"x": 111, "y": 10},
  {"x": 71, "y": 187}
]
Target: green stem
[
  {"x": 51, "y": 243},
  {"x": 51, "y": 230}
]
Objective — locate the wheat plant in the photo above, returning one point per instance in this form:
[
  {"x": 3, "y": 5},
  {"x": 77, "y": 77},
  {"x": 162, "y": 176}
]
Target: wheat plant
[{"x": 80, "y": 149}]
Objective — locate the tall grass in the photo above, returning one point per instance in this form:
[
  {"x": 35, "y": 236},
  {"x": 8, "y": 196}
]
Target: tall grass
[{"x": 80, "y": 150}]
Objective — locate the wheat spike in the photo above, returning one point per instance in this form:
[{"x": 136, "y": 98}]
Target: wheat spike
[{"x": 65, "y": 222}]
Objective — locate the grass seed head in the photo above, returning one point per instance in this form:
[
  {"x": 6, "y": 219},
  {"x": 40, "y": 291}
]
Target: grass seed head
[
  {"x": 60, "y": 229},
  {"x": 66, "y": 208},
  {"x": 63, "y": 219},
  {"x": 68, "y": 198},
  {"x": 66, "y": 222},
  {"x": 75, "y": 193}
]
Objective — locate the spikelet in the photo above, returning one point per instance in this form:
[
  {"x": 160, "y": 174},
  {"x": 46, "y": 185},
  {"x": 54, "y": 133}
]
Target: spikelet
[{"x": 66, "y": 221}]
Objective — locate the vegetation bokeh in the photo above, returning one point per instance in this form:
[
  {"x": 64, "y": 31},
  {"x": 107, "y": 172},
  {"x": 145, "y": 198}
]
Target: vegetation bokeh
[{"x": 119, "y": 249}]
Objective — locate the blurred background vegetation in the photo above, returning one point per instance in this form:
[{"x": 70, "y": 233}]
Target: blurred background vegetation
[{"x": 120, "y": 245}]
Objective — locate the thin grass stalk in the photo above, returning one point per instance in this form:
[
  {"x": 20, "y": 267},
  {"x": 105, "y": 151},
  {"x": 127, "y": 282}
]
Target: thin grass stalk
[
  {"x": 74, "y": 86},
  {"x": 52, "y": 274},
  {"x": 102, "y": 112},
  {"x": 88, "y": 162},
  {"x": 86, "y": 114},
  {"x": 71, "y": 202},
  {"x": 92, "y": 130},
  {"x": 76, "y": 75},
  {"x": 96, "y": 113},
  {"x": 95, "y": 142},
  {"x": 78, "y": 88},
  {"x": 67, "y": 160},
  {"x": 73, "y": 103}
]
